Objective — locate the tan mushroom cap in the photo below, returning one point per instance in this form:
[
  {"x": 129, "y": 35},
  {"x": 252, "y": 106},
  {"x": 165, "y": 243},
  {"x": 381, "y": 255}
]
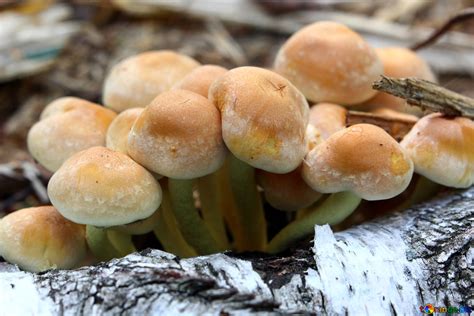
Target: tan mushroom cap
[
  {"x": 200, "y": 79},
  {"x": 363, "y": 159},
  {"x": 399, "y": 62},
  {"x": 67, "y": 126},
  {"x": 328, "y": 118},
  {"x": 329, "y": 62},
  {"x": 137, "y": 80},
  {"x": 395, "y": 114},
  {"x": 102, "y": 187},
  {"x": 264, "y": 118},
  {"x": 179, "y": 136},
  {"x": 443, "y": 149},
  {"x": 117, "y": 134},
  {"x": 39, "y": 238},
  {"x": 287, "y": 192}
]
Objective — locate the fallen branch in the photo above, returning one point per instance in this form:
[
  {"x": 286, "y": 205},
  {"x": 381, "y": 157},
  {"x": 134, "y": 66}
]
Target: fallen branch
[
  {"x": 427, "y": 95},
  {"x": 387, "y": 267}
]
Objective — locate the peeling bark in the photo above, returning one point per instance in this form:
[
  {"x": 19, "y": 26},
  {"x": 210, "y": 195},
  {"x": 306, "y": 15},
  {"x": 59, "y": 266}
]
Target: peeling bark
[{"x": 388, "y": 267}]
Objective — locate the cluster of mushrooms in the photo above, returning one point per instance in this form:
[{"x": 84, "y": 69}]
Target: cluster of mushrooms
[{"x": 192, "y": 152}]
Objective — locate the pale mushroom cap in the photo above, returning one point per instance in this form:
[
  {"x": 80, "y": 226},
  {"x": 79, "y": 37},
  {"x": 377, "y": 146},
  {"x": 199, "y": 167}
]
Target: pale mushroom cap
[
  {"x": 137, "y": 80},
  {"x": 443, "y": 149},
  {"x": 67, "y": 126},
  {"x": 395, "y": 114},
  {"x": 329, "y": 62},
  {"x": 200, "y": 79},
  {"x": 117, "y": 134},
  {"x": 328, "y": 118},
  {"x": 363, "y": 159},
  {"x": 264, "y": 118},
  {"x": 400, "y": 62},
  {"x": 39, "y": 238},
  {"x": 286, "y": 192},
  {"x": 102, "y": 187},
  {"x": 179, "y": 136}
]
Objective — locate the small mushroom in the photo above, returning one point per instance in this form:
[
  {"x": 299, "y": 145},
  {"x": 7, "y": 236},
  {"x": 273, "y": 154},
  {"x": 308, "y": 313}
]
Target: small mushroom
[
  {"x": 67, "y": 126},
  {"x": 264, "y": 118},
  {"x": 361, "y": 161},
  {"x": 399, "y": 62},
  {"x": 101, "y": 187},
  {"x": 200, "y": 79},
  {"x": 119, "y": 129},
  {"x": 179, "y": 136},
  {"x": 39, "y": 238},
  {"x": 137, "y": 80},
  {"x": 328, "y": 118},
  {"x": 329, "y": 62},
  {"x": 287, "y": 192},
  {"x": 442, "y": 149}
]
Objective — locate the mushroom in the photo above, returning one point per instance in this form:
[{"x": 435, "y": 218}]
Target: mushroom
[
  {"x": 67, "y": 126},
  {"x": 103, "y": 188},
  {"x": 329, "y": 62},
  {"x": 442, "y": 149},
  {"x": 179, "y": 136},
  {"x": 361, "y": 161},
  {"x": 399, "y": 62},
  {"x": 328, "y": 118},
  {"x": 264, "y": 120},
  {"x": 200, "y": 79},
  {"x": 137, "y": 80},
  {"x": 117, "y": 134},
  {"x": 287, "y": 192},
  {"x": 39, "y": 238}
]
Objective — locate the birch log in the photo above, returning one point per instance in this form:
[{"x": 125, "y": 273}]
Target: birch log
[{"x": 387, "y": 267}]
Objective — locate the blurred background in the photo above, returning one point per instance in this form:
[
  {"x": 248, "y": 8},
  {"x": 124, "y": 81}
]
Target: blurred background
[{"x": 50, "y": 49}]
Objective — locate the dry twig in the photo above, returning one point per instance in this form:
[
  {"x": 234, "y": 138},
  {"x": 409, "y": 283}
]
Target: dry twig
[
  {"x": 462, "y": 16},
  {"x": 427, "y": 95}
]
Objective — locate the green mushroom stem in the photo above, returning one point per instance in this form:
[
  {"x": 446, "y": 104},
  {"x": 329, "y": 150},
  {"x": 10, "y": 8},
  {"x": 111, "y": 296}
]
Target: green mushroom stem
[
  {"x": 121, "y": 241},
  {"x": 331, "y": 211},
  {"x": 423, "y": 190},
  {"x": 168, "y": 233},
  {"x": 211, "y": 197},
  {"x": 99, "y": 243},
  {"x": 191, "y": 225},
  {"x": 250, "y": 214}
]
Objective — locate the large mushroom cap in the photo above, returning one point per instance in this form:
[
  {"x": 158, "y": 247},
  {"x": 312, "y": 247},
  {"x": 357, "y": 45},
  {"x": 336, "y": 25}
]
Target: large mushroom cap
[
  {"x": 363, "y": 159},
  {"x": 117, "y": 134},
  {"x": 137, "y": 80},
  {"x": 399, "y": 62},
  {"x": 329, "y": 62},
  {"x": 200, "y": 79},
  {"x": 102, "y": 187},
  {"x": 264, "y": 118},
  {"x": 67, "y": 126},
  {"x": 443, "y": 149},
  {"x": 179, "y": 136},
  {"x": 39, "y": 238}
]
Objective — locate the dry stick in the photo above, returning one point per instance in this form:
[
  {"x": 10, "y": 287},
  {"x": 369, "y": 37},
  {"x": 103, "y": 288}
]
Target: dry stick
[
  {"x": 427, "y": 95},
  {"x": 396, "y": 127},
  {"x": 458, "y": 18}
]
